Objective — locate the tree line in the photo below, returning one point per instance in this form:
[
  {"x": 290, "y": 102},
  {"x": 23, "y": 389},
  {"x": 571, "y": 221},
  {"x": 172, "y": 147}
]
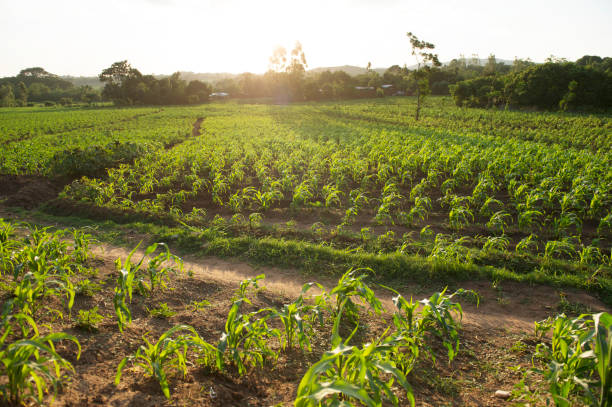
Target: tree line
[
  {"x": 287, "y": 78},
  {"x": 125, "y": 85},
  {"x": 556, "y": 84},
  {"x": 37, "y": 85}
]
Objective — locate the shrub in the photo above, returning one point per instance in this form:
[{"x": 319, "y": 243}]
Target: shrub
[
  {"x": 479, "y": 92},
  {"x": 94, "y": 160}
]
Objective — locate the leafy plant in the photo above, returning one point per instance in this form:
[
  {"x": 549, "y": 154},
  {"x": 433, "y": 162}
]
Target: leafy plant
[
  {"x": 156, "y": 271},
  {"x": 123, "y": 292},
  {"x": 496, "y": 243},
  {"x": 245, "y": 338},
  {"x": 527, "y": 244},
  {"x": 437, "y": 318},
  {"x": 167, "y": 355},
  {"x": 133, "y": 276},
  {"x": 351, "y": 285},
  {"x": 579, "y": 358},
  {"x": 87, "y": 288},
  {"x": 460, "y": 217},
  {"x": 31, "y": 366},
  {"x": 199, "y": 305},
  {"x": 246, "y": 285},
  {"x": 499, "y": 221},
  {"x": 89, "y": 320},
  {"x": 351, "y": 375},
  {"x": 298, "y": 318},
  {"x": 161, "y": 311}
]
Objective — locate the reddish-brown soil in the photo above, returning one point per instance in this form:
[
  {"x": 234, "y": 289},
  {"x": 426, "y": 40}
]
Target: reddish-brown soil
[
  {"x": 496, "y": 338},
  {"x": 28, "y": 191}
]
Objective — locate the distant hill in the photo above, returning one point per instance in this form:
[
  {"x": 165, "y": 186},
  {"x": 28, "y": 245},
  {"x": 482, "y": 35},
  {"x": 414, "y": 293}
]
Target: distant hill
[
  {"x": 84, "y": 81},
  {"x": 206, "y": 77},
  {"x": 349, "y": 69}
]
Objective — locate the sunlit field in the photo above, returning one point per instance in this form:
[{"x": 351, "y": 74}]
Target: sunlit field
[{"x": 512, "y": 205}]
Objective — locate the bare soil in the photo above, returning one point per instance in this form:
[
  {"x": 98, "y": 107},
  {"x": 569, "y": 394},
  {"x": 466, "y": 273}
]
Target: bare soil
[{"x": 28, "y": 191}]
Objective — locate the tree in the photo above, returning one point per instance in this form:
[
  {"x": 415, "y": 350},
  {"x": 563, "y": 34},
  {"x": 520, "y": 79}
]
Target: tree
[
  {"x": 88, "y": 95},
  {"x": 421, "y": 74},
  {"x": 278, "y": 60},
  {"x": 198, "y": 91},
  {"x": 491, "y": 66},
  {"x": 520, "y": 65},
  {"x": 36, "y": 72},
  {"x": 120, "y": 79},
  {"x": 21, "y": 94},
  {"x": 286, "y": 74},
  {"x": 251, "y": 85},
  {"x": 38, "y": 92},
  {"x": 7, "y": 98}
]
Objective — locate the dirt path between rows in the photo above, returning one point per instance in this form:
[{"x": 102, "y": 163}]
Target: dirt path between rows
[
  {"x": 510, "y": 306},
  {"x": 195, "y": 132}
]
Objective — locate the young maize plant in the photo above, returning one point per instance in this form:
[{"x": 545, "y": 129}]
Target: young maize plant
[
  {"x": 351, "y": 375},
  {"x": 527, "y": 244},
  {"x": 298, "y": 318},
  {"x": 168, "y": 355},
  {"x": 560, "y": 248},
  {"x": 350, "y": 286},
  {"x": 31, "y": 366},
  {"x": 460, "y": 217},
  {"x": 499, "y": 243},
  {"x": 437, "y": 317},
  {"x": 499, "y": 222},
  {"x": 132, "y": 275},
  {"x": 246, "y": 339},
  {"x": 578, "y": 359}
]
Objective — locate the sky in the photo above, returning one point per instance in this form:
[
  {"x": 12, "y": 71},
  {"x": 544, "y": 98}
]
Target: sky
[{"x": 82, "y": 37}]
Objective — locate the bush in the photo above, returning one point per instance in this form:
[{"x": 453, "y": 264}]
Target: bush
[
  {"x": 440, "y": 88},
  {"x": 554, "y": 85},
  {"x": 485, "y": 91},
  {"x": 65, "y": 101},
  {"x": 93, "y": 160}
]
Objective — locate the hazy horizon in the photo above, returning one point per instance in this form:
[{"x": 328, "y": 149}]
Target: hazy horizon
[{"x": 165, "y": 36}]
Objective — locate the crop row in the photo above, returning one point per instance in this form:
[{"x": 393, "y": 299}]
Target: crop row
[{"x": 261, "y": 159}]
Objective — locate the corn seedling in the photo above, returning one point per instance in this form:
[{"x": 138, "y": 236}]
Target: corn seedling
[
  {"x": 579, "y": 358},
  {"x": 350, "y": 286},
  {"x": 352, "y": 376},
  {"x": 31, "y": 366},
  {"x": 437, "y": 318},
  {"x": 527, "y": 244},
  {"x": 167, "y": 355},
  {"x": 245, "y": 339},
  {"x": 298, "y": 318}
]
